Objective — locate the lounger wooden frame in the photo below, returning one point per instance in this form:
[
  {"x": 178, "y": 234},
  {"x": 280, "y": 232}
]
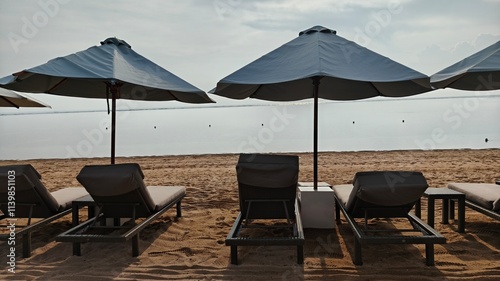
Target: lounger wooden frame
[
  {"x": 24, "y": 231},
  {"x": 32, "y": 202},
  {"x": 234, "y": 240},
  {"x": 475, "y": 207},
  {"x": 77, "y": 234},
  {"x": 429, "y": 235}
]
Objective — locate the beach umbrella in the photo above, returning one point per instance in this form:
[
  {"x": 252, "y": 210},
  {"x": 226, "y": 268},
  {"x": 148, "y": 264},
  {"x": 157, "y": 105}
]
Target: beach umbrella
[
  {"x": 109, "y": 71},
  {"x": 320, "y": 64},
  {"x": 13, "y": 99},
  {"x": 478, "y": 72}
]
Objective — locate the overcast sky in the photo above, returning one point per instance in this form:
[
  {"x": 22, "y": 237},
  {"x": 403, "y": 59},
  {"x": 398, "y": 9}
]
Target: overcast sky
[{"x": 203, "y": 41}]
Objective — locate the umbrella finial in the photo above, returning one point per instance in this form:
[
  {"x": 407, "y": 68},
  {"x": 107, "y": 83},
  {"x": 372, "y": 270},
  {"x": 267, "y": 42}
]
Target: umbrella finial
[
  {"x": 317, "y": 28},
  {"x": 116, "y": 41}
]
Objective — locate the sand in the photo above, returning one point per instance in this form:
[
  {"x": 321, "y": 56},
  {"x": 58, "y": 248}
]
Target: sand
[{"x": 192, "y": 247}]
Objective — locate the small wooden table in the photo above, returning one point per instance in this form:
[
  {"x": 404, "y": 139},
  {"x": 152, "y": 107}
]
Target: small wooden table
[
  {"x": 82, "y": 202},
  {"x": 447, "y": 195}
]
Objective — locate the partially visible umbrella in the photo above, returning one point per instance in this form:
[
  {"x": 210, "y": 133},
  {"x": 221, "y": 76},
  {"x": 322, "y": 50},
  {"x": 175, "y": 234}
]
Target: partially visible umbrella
[
  {"x": 13, "y": 99},
  {"x": 320, "y": 64},
  {"x": 478, "y": 72},
  {"x": 109, "y": 71}
]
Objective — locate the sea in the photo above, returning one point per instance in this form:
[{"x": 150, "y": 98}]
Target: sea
[{"x": 463, "y": 122}]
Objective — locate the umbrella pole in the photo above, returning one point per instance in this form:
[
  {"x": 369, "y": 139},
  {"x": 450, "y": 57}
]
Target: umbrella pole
[
  {"x": 113, "y": 125},
  {"x": 113, "y": 88},
  {"x": 316, "y": 81}
]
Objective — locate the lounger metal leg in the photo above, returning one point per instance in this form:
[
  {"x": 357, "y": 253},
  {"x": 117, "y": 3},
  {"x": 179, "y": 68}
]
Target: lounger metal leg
[
  {"x": 27, "y": 245},
  {"x": 358, "y": 259},
  {"x": 135, "y": 245},
  {"x": 91, "y": 210},
  {"x": 429, "y": 254},
  {"x": 248, "y": 212},
  {"x": 30, "y": 214},
  {"x": 286, "y": 212},
  {"x": 337, "y": 212},
  {"x": 179, "y": 211},
  {"x": 75, "y": 220},
  {"x": 418, "y": 208},
  {"x": 300, "y": 254},
  {"x": 77, "y": 249},
  {"x": 234, "y": 254},
  {"x": 27, "y": 237}
]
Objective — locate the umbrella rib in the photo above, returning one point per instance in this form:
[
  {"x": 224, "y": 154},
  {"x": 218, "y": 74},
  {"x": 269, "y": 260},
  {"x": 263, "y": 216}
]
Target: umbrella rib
[
  {"x": 256, "y": 90},
  {"x": 56, "y": 85},
  {"x": 452, "y": 80},
  {"x": 10, "y": 102},
  {"x": 376, "y": 89}
]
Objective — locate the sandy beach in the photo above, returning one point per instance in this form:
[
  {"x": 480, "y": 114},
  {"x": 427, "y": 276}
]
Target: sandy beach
[{"x": 192, "y": 247}]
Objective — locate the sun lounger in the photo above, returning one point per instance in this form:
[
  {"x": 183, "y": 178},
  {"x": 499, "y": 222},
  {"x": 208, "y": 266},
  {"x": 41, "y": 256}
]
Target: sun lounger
[
  {"x": 482, "y": 197},
  {"x": 385, "y": 194},
  {"x": 119, "y": 193},
  {"x": 23, "y": 196},
  {"x": 267, "y": 186}
]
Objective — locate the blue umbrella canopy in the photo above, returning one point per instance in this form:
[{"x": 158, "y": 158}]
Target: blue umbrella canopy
[
  {"x": 478, "y": 72},
  {"x": 111, "y": 70},
  {"x": 89, "y": 74},
  {"x": 320, "y": 64},
  {"x": 345, "y": 70}
]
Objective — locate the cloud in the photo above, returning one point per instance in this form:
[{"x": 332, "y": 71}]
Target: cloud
[
  {"x": 296, "y": 15},
  {"x": 439, "y": 57}
]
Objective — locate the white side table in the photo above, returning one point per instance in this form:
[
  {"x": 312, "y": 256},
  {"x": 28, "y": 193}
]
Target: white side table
[{"x": 317, "y": 207}]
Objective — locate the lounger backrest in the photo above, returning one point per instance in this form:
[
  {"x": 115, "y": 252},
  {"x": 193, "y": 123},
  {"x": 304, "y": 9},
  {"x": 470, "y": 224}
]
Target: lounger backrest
[
  {"x": 267, "y": 177},
  {"x": 385, "y": 193},
  {"x": 28, "y": 190},
  {"x": 118, "y": 187}
]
